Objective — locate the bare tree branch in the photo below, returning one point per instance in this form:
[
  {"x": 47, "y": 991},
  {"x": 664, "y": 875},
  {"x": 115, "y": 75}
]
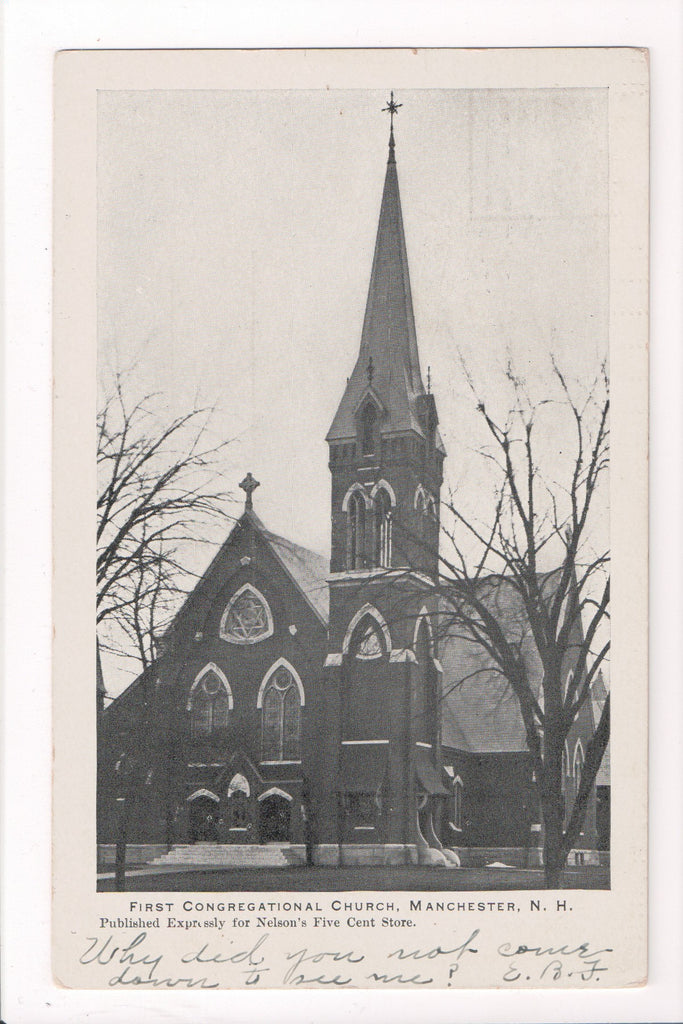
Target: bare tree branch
[{"x": 157, "y": 498}]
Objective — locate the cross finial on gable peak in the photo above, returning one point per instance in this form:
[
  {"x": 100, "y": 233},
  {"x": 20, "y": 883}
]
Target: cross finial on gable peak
[{"x": 249, "y": 485}]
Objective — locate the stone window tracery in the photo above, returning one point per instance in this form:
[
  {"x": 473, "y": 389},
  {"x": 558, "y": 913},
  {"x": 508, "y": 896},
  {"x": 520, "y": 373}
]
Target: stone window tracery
[
  {"x": 382, "y": 529},
  {"x": 356, "y": 532},
  {"x": 281, "y": 718},
  {"x": 369, "y": 644},
  {"x": 209, "y": 705},
  {"x": 247, "y": 618}
]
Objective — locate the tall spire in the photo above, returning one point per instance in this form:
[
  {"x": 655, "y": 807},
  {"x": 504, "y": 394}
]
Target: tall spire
[{"x": 388, "y": 337}]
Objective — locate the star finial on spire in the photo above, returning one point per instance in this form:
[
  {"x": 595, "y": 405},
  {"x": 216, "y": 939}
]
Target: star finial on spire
[
  {"x": 392, "y": 109},
  {"x": 249, "y": 485}
]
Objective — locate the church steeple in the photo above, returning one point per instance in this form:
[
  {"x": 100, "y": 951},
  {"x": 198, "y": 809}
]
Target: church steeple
[
  {"x": 388, "y": 340},
  {"x": 386, "y": 454}
]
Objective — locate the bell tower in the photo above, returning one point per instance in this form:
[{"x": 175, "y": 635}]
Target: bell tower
[
  {"x": 386, "y": 454},
  {"x": 382, "y": 672}
]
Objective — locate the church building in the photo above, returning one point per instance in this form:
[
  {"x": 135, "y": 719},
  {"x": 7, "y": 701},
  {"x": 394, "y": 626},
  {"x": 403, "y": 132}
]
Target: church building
[{"x": 302, "y": 706}]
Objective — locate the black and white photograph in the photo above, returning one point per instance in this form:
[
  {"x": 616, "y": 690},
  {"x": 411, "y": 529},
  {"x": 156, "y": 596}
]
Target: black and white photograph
[
  {"x": 353, "y": 493},
  {"x": 355, "y": 355}
]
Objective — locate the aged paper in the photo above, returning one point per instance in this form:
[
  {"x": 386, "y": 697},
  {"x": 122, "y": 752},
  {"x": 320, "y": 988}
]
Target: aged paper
[{"x": 312, "y": 770}]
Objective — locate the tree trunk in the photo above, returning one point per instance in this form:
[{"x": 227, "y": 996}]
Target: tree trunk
[
  {"x": 553, "y": 813},
  {"x": 553, "y": 859}
]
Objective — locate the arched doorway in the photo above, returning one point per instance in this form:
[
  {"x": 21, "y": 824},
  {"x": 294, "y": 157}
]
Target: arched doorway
[
  {"x": 203, "y": 825},
  {"x": 274, "y": 819}
]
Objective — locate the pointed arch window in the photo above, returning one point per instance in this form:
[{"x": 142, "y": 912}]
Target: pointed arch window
[
  {"x": 367, "y": 644},
  {"x": 566, "y": 767},
  {"x": 247, "y": 618},
  {"x": 356, "y": 631},
  {"x": 369, "y": 429},
  {"x": 424, "y": 713},
  {"x": 382, "y": 553},
  {"x": 281, "y": 717},
  {"x": 578, "y": 763},
  {"x": 421, "y": 509},
  {"x": 356, "y": 534},
  {"x": 209, "y": 704}
]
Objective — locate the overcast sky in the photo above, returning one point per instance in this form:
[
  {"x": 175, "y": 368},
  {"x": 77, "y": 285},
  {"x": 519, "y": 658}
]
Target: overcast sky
[{"x": 235, "y": 240}]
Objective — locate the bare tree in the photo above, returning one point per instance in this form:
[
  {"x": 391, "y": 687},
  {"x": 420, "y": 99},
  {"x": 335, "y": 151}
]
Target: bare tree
[
  {"x": 523, "y": 584},
  {"x": 156, "y": 495},
  {"x": 563, "y": 613}
]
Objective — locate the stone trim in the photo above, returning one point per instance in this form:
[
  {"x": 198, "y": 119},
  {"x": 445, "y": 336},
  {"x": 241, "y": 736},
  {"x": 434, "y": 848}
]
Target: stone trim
[
  {"x": 397, "y": 572},
  {"x": 402, "y": 654},
  {"x": 211, "y": 667},
  {"x": 353, "y": 489},
  {"x": 352, "y": 743},
  {"x": 246, "y": 641},
  {"x": 203, "y": 792},
  {"x": 281, "y": 663},
  {"x": 383, "y": 485},
  {"x": 274, "y": 791},
  {"x": 367, "y": 609}
]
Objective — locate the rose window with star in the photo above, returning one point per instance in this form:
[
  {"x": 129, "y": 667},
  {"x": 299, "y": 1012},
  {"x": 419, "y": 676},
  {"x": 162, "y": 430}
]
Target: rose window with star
[{"x": 247, "y": 618}]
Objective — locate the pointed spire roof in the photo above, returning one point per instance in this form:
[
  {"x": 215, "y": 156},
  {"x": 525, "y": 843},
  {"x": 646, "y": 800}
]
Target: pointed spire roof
[{"x": 388, "y": 364}]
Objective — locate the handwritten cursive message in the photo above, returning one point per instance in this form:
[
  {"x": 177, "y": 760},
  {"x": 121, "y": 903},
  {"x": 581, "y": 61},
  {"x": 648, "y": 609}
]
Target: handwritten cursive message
[{"x": 140, "y": 962}]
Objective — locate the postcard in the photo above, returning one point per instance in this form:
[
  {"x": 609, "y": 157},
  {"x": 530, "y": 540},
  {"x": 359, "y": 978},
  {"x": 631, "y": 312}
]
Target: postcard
[{"x": 350, "y": 519}]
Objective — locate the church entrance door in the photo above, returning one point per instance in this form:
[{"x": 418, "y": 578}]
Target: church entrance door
[
  {"x": 274, "y": 820},
  {"x": 203, "y": 823}
]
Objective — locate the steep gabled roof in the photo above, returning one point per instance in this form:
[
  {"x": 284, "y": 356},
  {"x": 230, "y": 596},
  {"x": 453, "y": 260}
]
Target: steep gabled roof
[
  {"x": 388, "y": 363},
  {"x": 480, "y": 713},
  {"x": 308, "y": 570}
]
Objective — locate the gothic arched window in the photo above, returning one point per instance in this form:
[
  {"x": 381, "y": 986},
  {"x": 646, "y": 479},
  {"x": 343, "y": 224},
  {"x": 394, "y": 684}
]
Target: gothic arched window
[
  {"x": 578, "y": 763},
  {"x": 209, "y": 704},
  {"x": 356, "y": 539},
  {"x": 382, "y": 528},
  {"x": 566, "y": 769},
  {"x": 366, "y": 642},
  {"x": 369, "y": 429},
  {"x": 281, "y": 718},
  {"x": 248, "y": 618},
  {"x": 424, "y": 724}
]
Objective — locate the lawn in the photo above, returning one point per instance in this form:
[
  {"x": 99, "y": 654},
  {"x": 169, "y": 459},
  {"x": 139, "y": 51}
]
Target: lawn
[{"x": 350, "y": 879}]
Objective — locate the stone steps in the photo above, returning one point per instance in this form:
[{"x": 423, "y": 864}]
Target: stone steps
[{"x": 227, "y": 855}]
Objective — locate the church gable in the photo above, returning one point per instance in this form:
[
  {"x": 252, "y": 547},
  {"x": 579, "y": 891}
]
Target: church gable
[{"x": 259, "y": 586}]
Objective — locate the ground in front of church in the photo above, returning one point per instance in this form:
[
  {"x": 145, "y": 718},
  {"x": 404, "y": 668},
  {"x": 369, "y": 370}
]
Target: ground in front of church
[{"x": 323, "y": 879}]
